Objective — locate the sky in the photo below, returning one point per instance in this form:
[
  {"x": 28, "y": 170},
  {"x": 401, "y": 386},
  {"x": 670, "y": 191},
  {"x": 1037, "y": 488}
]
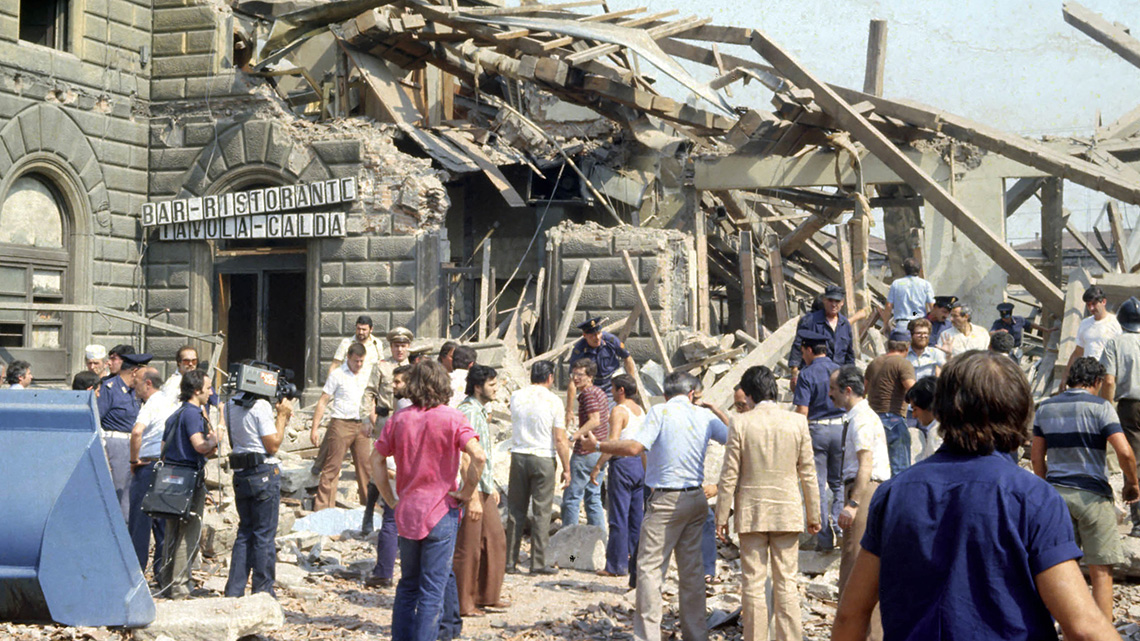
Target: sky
[{"x": 1012, "y": 64}]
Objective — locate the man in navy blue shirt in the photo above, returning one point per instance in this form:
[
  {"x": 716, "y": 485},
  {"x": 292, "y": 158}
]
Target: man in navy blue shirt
[
  {"x": 825, "y": 423},
  {"x": 608, "y": 352},
  {"x": 1015, "y": 325},
  {"x": 965, "y": 544},
  {"x": 939, "y": 316},
  {"x": 832, "y": 325},
  {"x": 118, "y": 411}
]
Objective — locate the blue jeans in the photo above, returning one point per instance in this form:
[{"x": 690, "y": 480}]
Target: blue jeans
[
  {"x": 580, "y": 486},
  {"x": 898, "y": 441},
  {"x": 626, "y": 510},
  {"x": 708, "y": 544},
  {"x": 386, "y": 545},
  {"x": 827, "y": 444},
  {"x": 139, "y": 524},
  {"x": 425, "y": 581},
  {"x": 254, "y": 548}
]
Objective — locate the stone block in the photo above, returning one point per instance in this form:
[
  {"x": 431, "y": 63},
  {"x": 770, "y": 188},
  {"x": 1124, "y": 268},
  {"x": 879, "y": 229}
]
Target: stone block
[
  {"x": 29, "y": 125},
  {"x": 122, "y": 12},
  {"x": 331, "y": 322},
  {"x": 332, "y": 274},
  {"x": 166, "y": 184},
  {"x": 200, "y": 42},
  {"x": 338, "y": 152},
  {"x": 114, "y": 153},
  {"x": 607, "y": 270},
  {"x": 402, "y": 319},
  {"x": 586, "y": 244},
  {"x": 199, "y": 134},
  {"x": 169, "y": 44},
  {"x": 179, "y": 277},
  {"x": 581, "y": 547},
  {"x": 233, "y": 148},
  {"x": 169, "y": 253},
  {"x": 168, "y": 89},
  {"x": 280, "y": 147},
  {"x": 392, "y": 248},
  {"x": 404, "y": 272},
  {"x": 114, "y": 249},
  {"x": 392, "y": 298},
  {"x": 216, "y": 85},
  {"x": 255, "y": 135},
  {"x": 213, "y": 619},
  {"x": 122, "y": 179},
  {"x": 344, "y": 298},
  {"x": 94, "y": 27},
  {"x": 625, "y": 297},
  {"x": 176, "y": 300},
  {"x": 155, "y": 276},
  {"x": 185, "y": 18},
  {"x": 355, "y": 248},
  {"x": 127, "y": 37},
  {"x": 595, "y": 297},
  {"x": 370, "y": 273},
  {"x": 646, "y": 267}
]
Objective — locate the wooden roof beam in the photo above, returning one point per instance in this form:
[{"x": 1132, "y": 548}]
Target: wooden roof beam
[{"x": 1113, "y": 36}]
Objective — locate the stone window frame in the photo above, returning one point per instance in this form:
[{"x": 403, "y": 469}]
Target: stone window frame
[{"x": 76, "y": 258}]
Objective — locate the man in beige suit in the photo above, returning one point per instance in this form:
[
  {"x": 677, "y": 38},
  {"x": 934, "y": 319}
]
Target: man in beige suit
[{"x": 769, "y": 472}]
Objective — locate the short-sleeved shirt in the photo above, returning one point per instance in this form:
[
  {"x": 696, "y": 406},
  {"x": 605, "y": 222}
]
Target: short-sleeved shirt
[
  {"x": 1093, "y": 334},
  {"x": 1121, "y": 358},
  {"x": 960, "y": 540},
  {"x": 910, "y": 295},
  {"x": 476, "y": 415},
  {"x": 248, "y": 424},
  {"x": 173, "y": 387},
  {"x": 812, "y": 387},
  {"x": 937, "y": 327},
  {"x": 885, "y": 376},
  {"x": 865, "y": 432},
  {"x": 840, "y": 340},
  {"x": 373, "y": 350},
  {"x": 1076, "y": 425},
  {"x": 535, "y": 413},
  {"x": 1016, "y": 328},
  {"x": 346, "y": 391},
  {"x": 609, "y": 356},
  {"x": 926, "y": 363},
  {"x": 959, "y": 343},
  {"x": 593, "y": 399},
  {"x": 118, "y": 407},
  {"x": 426, "y": 445},
  {"x": 458, "y": 379},
  {"x": 186, "y": 421},
  {"x": 153, "y": 417},
  {"x": 676, "y": 435}
]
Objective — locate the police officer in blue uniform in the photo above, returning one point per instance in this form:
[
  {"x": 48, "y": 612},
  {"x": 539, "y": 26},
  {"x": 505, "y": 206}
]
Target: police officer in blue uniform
[
  {"x": 606, "y": 350},
  {"x": 939, "y": 316},
  {"x": 833, "y": 325},
  {"x": 825, "y": 423},
  {"x": 118, "y": 411}
]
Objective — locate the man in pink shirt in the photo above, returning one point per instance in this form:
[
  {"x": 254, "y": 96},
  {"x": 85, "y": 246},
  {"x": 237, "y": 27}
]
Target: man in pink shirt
[{"x": 427, "y": 440}]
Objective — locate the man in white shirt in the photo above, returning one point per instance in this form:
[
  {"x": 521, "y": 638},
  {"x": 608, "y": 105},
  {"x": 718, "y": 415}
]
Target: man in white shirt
[
  {"x": 1095, "y": 330},
  {"x": 911, "y": 296},
  {"x": 373, "y": 348},
  {"x": 538, "y": 435},
  {"x": 345, "y": 389},
  {"x": 964, "y": 335},
  {"x": 865, "y": 466},
  {"x": 146, "y": 447},
  {"x": 461, "y": 359}
]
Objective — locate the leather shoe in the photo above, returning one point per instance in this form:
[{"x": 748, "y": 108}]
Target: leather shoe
[
  {"x": 550, "y": 571},
  {"x": 473, "y": 614},
  {"x": 377, "y": 582}
]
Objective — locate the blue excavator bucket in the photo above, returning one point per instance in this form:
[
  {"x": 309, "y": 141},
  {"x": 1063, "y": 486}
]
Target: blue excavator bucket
[{"x": 65, "y": 554}]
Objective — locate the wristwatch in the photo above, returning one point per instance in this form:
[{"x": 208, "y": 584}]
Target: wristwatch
[{"x": 852, "y": 503}]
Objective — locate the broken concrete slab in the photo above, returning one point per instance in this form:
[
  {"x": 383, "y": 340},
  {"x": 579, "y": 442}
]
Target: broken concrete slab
[
  {"x": 581, "y": 547},
  {"x": 216, "y": 619}
]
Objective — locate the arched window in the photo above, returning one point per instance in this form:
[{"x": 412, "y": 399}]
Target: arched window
[{"x": 34, "y": 262}]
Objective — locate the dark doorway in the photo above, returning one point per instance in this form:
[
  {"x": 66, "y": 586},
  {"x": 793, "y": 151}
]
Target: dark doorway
[{"x": 261, "y": 310}]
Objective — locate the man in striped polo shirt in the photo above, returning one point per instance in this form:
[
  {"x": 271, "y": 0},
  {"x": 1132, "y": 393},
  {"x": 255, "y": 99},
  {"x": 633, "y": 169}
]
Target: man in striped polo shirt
[{"x": 1074, "y": 428}]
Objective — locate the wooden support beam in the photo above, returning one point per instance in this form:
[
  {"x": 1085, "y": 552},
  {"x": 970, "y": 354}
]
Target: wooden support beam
[
  {"x": 1123, "y": 261},
  {"x": 1053, "y": 228},
  {"x": 631, "y": 320},
  {"x": 876, "y": 58},
  {"x": 485, "y": 291},
  {"x": 1017, "y": 267},
  {"x": 1083, "y": 241},
  {"x": 803, "y": 232},
  {"x": 847, "y": 269},
  {"x": 1020, "y": 192},
  {"x": 1113, "y": 36},
  {"x": 643, "y": 304},
  {"x": 769, "y": 352},
  {"x": 723, "y": 356},
  {"x": 513, "y": 331},
  {"x": 1124, "y": 126},
  {"x": 776, "y": 270},
  {"x": 701, "y": 242},
  {"x": 748, "y": 281},
  {"x": 571, "y": 304},
  {"x": 539, "y": 299},
  {"x": 1072, "y": 314},
  {"x": 660, "y": 31},
  {"x": 612, "y": 15}
]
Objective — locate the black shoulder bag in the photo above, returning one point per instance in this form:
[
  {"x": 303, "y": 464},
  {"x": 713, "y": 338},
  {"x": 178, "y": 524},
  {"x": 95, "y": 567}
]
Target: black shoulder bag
[{"x": 171, "y": 493}]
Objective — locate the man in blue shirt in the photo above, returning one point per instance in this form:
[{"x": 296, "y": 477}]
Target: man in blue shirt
[
  {"x": 833, "y": 325},
  {"x": 674, "y": 436},
  {"x": 1014, "y": 325},
  {"x": 911, "y": 296},
  {"x": 118, "y": 413},
  {"x": 939, "y": 316},
  {"x": 825, "y": 423},
  {"x": 607, "y": 351},
  {"x": 965, "y": 544},
  {"x": 1075, "y": 427}
]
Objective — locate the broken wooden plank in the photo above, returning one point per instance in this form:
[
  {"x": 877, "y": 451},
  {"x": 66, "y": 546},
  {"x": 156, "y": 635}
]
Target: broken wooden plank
[
  {"x": 1083, "y": 241},
  {"x": 847, "y": 269},
  {"x": 539, "y": 293},
  {"x": 485, "y": 290},
  {"x": 1093, "y": 25},
  {"x": 486, "y": 12},
  {"x": 770, "y": 351},
  {"x": 631, "y": 320},
  {"x": 571, "y": 304},
  {"x": 1020, "y": 192},
  {"x": 723, "y": 356},
  {"x": 876, "y": 58},
  {"x": 1124, "y": 126},
  {"x": 643, "y": 304},
  {"x": 792, "y": 242},
  {"x": 490, "y": 169},
  {"x": 748, "y": 282},
  {"x": 556, "y": 352},
  {"x": 1118, "y": 241},
  {"x": 776, "y": 270},
  {"x": 1016, "y": 266},
  {"x": 660, "y": 31},
  {"x": 1053, "y": 228}
]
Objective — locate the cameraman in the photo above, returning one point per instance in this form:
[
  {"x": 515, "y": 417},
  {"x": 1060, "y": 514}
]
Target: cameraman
[{"x": 255, "y": 437}]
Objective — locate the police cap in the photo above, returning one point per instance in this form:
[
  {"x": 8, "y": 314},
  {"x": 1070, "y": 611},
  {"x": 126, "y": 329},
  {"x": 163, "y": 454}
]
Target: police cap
[
  {"x": 400, "y": 335},
  {"x": 132, "y": 361},
  {"x": 811, "y": 338},
  {"x": 834, "y": 292},
  {"x": 591, "y": 325},
  {"x": 945, "y": 301},
  {"x": 1005, "y": 309}
]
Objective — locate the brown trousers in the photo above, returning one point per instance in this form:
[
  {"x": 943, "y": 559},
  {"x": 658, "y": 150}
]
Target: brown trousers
[
  {"x": 342, "y": 436},
  {"x": 480, "y": 558},
  {"x": 852, "y": 538}
]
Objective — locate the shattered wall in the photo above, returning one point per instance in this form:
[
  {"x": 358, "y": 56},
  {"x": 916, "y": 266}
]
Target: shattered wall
[{"x": 609, "y": 292}]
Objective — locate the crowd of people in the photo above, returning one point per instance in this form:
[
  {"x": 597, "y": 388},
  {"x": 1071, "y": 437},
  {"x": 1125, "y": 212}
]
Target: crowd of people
[{"x": 960, "y": 542}]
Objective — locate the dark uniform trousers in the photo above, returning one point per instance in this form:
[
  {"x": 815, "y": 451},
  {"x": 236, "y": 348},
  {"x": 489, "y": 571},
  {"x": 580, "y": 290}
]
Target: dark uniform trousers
[
  {"x": 140, "y": 525},
  {"x": 255, "y": 550}
]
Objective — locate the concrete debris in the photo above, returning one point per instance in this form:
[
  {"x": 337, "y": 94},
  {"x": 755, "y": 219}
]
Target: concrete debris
[
  {"x": 214, "y": 619},
  {"x": 579, "y": 546},
  {"x": 334, "y": 521}
]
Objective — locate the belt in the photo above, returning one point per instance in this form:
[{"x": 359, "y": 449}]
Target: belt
[
  {"x": 115, "y": 434},
  {"x": 676, "y": 489},
  {"x": 838, "y": 420},
  {"x": 148, "y": 461},
  {"x": 347, "y": 420},
  {"x": 852, "y": 481}
]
